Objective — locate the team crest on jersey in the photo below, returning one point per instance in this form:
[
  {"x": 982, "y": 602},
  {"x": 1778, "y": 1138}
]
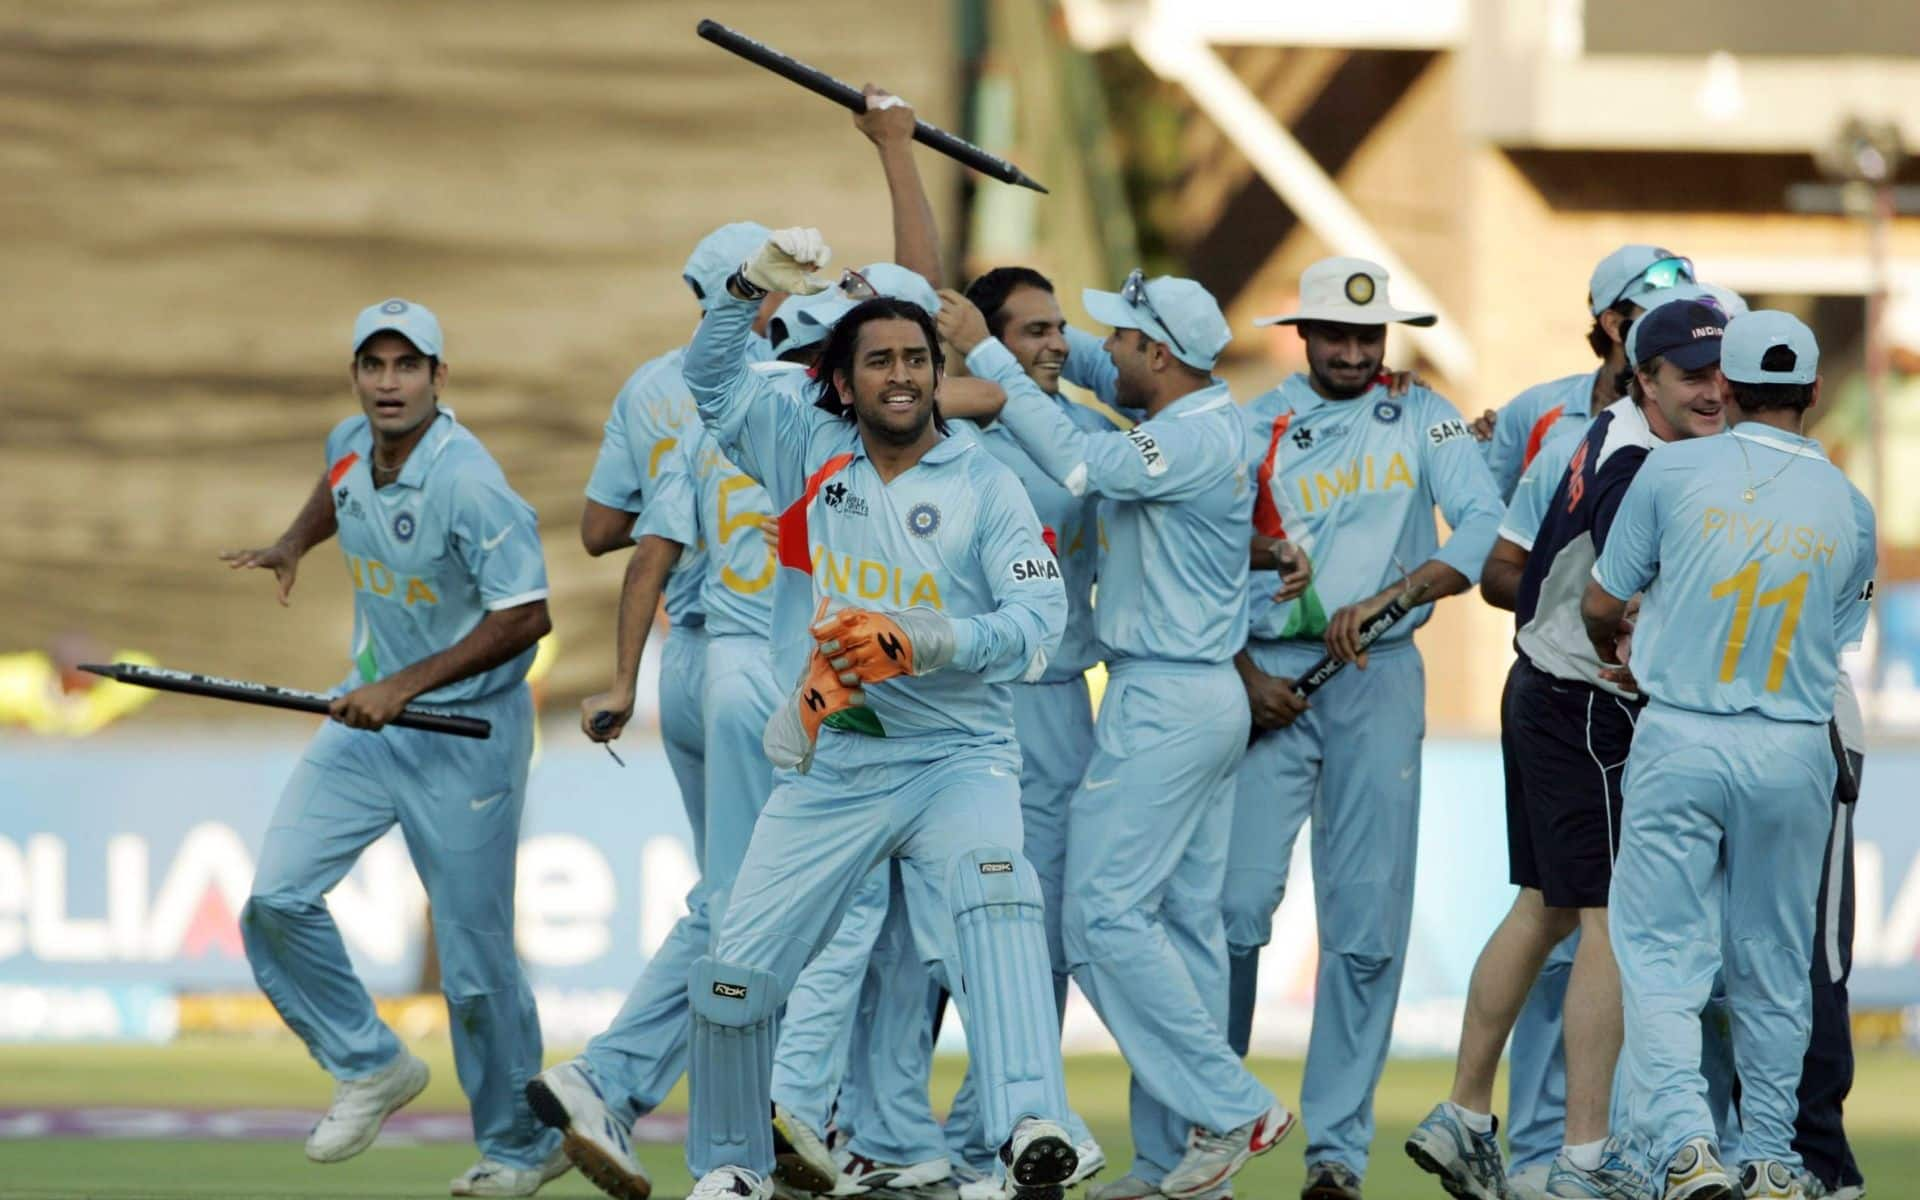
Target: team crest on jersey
[
  {"x": 1386, "y": 412},
  {"x": 840, "y": 499},
  {"x": 1303, "y": 438},
  {"x": 403, "y": 527},
  {"x": 394, "y": 307},
  {"x": 923, "y": 520},
  {"x": 1360, "y": 288}
]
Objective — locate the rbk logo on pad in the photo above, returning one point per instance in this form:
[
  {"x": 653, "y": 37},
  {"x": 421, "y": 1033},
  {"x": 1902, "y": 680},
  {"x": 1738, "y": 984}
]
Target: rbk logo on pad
[
  {"x": 996, "y": 868},
  {"x": 730, "y": 991}
]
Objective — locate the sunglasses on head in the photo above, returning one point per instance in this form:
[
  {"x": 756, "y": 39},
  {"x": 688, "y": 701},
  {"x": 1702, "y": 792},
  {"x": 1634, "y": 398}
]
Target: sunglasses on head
[
  {"x": 1134, "y": 292},
  {"x": 855, "y": 286},
  {"x": 1661, "y": 273}
]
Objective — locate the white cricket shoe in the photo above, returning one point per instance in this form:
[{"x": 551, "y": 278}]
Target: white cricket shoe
[
  {"x": 1530, "y": 1183},
  {"x": 592, "y": 1138},
  {"x": 360, "y": 1106},
  {"x": 1093, "y": 1160},
  {"x": 491, "y": 1177},
  {"x": 860, "y": 1175},
  {"x": 1127, "y": 1187},
  {"x": 731, "y": 1183},
  {"x": 1214, "y": 1158},
  {"x": 1694, "y": 1173},
  {"x": 801, "y": 1157},
  {"x": 1766, "y": 1179},
  {"x": 1038, "y": 1160}
]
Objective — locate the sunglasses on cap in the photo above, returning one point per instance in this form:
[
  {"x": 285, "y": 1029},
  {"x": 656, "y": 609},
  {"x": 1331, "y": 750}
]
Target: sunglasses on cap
[
  {"x": 1134, "y": 292},
  {"x": 855, "y": 286},
  {"x": 1661, "y": 273}
]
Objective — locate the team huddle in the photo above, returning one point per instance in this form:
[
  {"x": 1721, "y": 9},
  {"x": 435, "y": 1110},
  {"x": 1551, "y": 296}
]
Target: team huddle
[{"x": 889, "y": 549}]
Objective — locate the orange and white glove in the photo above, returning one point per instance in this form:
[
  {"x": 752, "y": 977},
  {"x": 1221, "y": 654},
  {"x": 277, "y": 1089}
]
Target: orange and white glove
[
  {"x": 864, "y": 646},
  {"x": 794, "y": 729}
]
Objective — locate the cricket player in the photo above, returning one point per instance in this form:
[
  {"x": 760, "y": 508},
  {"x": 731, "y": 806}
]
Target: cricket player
[
  {"x": 932, "y": 589},
  {"x": 1755, "y": 557},
  {"x": 1565, "y": 734},
  {"x": 1052, "y": 717},
  {"x": 1147, "y": 826},
  {"x": 1355, "y": 475},
  {"x": 1560, "y": 410},
  {"x": 450, "y": 596}
]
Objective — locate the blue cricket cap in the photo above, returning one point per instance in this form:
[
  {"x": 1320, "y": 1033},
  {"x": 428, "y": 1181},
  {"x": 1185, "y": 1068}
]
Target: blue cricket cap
[
  {"x": 874, "y": 279},
  {"x": 718, "y": 255},
  {"x": 1769, "y": 346},
  {"x": 412, "y": 321},
  {"x": 1631, "y": 272},
  {"x": 1178, "y": 312},
  {"x": 788, "y": 331},
  {"x": 1686, "y": 333}
]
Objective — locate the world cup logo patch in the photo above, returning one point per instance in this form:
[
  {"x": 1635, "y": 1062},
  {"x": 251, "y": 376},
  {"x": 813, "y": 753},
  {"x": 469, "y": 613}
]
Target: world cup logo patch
[
  {"x": 403, "y": 527},
  {"x": 1360, "y": 288},
  {"x": 923, "y": 520}
]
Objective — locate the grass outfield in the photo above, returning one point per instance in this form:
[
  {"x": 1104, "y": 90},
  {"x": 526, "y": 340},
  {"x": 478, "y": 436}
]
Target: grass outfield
[{"x": 276, "y": 1073}]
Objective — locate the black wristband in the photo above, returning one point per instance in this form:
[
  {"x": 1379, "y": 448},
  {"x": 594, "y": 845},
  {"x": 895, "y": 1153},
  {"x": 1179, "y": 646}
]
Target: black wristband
[{"x": 739, "y": 285}]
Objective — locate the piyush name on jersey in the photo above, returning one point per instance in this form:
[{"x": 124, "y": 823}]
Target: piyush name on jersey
[{"x": 1768, "y": 535}]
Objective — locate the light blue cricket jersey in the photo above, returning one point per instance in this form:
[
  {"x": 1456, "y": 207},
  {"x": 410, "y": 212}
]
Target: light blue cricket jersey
[
  {"x": 432, "y": 553},
  {"x": 651, "y": 414},
  {"x": 1356, "y": 482},
  {"x": 955, "y": 533},
  {"x": 1527, "y": 507},
  {"x": 1524, "y": 426},
  {"x": 1747, "y": 605},
  {"x": 1071, "y": 524},
  {"x": 701, "y": 498},
  {"x": 1175, "y": 506}
]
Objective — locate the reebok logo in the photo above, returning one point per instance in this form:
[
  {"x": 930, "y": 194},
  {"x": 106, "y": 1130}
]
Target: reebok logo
[
  {"x": 729, "y": 991},
  {"x": 891, "y": 647},
  {"x": 996, "y": 868},
  {"x": 815, "y": 700}
]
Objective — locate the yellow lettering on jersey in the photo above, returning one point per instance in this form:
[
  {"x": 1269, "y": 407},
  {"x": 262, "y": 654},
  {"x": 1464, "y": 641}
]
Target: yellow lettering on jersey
[
  {"x": 1397, "y": 469},
  {"x": 417, "y": 589},
  {"x": 353, "y": 569},
  {"x": 1352, "y": 478},
  {"x": 1802, "y": 542},
  {"x": 660, "y": 449},
  {"x": 867, "y": 579},
  {"x": 733, "y": 522},
  {"x": 379, "y": 578}
]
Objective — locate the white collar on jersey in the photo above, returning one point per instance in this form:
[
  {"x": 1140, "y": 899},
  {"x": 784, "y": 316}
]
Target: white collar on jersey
[{"x": 1777, "y": 439}]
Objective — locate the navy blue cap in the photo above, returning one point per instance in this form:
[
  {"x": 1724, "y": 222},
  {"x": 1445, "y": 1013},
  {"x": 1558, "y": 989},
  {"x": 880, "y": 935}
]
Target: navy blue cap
[{"x": 1685, "y": 332}]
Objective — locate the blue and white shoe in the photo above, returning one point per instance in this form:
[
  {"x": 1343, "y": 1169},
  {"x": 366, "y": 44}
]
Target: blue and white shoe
[
  {"x": 1467, "y": 1163},
  {"x": 1767, "y": 1179},
  {"x": 1614, "y": 1179},
  {"x": 565, "y": 1098}
]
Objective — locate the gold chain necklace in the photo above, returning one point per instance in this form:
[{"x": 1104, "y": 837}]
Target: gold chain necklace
[{"x": 1753, "y": 487}]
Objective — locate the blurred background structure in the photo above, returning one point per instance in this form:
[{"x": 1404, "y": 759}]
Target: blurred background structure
[{"x": 201, "y": 193}]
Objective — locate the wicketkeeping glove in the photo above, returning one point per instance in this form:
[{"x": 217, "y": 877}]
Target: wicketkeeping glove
[
  {"x": 864, "y": 646},
  {"x": 787, "y": 261},
  {"x": 794, "y": 729}
]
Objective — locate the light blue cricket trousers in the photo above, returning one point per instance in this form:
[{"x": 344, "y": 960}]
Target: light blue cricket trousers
[
  {"x": 952, "y": 820},
  {"x": 457, "y": 801},
  {"x": 1352, "y": 763},
  {"x": 1054, "y": 722},
  {"x": 1147, "y": 834},
  {"x": 1723, "y": 834},
  {"x": 639, "y": 1058}
]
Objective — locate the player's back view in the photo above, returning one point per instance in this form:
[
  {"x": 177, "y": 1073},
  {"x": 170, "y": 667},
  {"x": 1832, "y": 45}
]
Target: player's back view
[{"x": 1756, "y": 558}]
